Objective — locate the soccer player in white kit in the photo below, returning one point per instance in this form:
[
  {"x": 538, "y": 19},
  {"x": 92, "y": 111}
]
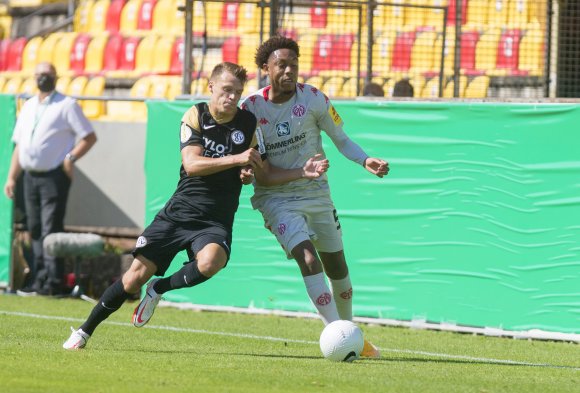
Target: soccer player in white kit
[{"x": 301, "y": 213}]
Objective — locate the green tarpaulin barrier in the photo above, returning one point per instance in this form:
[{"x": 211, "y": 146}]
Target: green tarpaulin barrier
[
  {"x": 7, "y": 118},
  {"x": 477, "y": 224}
]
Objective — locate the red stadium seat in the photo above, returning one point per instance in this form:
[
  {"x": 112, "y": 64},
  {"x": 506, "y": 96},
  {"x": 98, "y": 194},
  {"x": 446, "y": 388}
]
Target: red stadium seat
[
  {"x": 145, "y": 18},
  {"x": 4, "y": 47},
  {"x": 177, "y": 57},
  {"x": 231, "y": 49},
  {"x": 402, "y": 48},
  {"x": 112, "y": 58},
  {"x": 468, "y": 44},
  {"x": 128, "y": 53},
  {"x": 14, "y": 58},
  {"x": 113, "y": 21},
  {"x": 78, "y": 53},
  {"x": 453, "y": 9},
  {"x": 508, "y": 51},
  {"x": 318, "y": 16},
  {"x": 322, "y": 56},
  {"x": 229, "y": 19}
]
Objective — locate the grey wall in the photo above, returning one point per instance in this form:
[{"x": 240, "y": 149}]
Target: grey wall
[{"x": 109, "y": 184}]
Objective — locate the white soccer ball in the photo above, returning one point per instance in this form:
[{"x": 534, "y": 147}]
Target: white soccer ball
[{"x": 341, "y": 341}]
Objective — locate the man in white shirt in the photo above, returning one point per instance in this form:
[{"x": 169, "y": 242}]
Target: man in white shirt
[
  {"x": 46, "y": 148},
  {"x": 301, "y": 213}
]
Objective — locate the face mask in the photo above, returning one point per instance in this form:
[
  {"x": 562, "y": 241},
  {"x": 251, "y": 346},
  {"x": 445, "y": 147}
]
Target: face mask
[{"x": 46, "y": 83}]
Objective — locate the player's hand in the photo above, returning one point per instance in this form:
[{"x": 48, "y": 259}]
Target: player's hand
[
  {"x": 315, "y": 167},
  {"x": 247, "y": 175},
  {"x": 9, "y": 188},
  {"x": 250, "y": 157},
  {"x": 377, "y": 167}
]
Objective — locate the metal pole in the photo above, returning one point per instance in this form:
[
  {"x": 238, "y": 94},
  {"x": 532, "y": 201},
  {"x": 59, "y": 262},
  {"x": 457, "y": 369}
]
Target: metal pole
[
  {"x": 442, "y": 63},
  {"x": 370, "y": 40},
  {"x": 274, "y": 5},
  {"x": 548, "y": 56},
  {"x": 457, "y": 62},
  {"x": 187, "y": 48},
  {"x": 70, "y": 13}
]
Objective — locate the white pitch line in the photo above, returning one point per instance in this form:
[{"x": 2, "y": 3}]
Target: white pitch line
[{"x": 290, "y": 340}]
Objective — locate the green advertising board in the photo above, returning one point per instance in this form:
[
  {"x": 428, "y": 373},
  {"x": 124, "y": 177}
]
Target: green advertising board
[
  {"x": 478, "y": 222},
  {"x": 8, "y": 110}
]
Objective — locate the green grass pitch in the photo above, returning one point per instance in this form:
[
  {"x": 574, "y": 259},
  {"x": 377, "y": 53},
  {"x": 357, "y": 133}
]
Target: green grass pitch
[{"x": 188, "y": 351}]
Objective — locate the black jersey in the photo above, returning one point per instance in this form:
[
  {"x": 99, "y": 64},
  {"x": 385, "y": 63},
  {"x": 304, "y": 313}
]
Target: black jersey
[{"x": 212, "y": 197}]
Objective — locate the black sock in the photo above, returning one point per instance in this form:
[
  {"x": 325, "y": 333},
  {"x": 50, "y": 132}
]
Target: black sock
[
  {"x": 111, "y": 301},
  {"x": 187, "y": 276}
]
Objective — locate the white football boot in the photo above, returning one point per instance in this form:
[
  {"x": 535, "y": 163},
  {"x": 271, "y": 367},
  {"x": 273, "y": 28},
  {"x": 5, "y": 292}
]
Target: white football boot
[
  {"x": 146, "y": 307},
  {"x": 77, "y": 340}
]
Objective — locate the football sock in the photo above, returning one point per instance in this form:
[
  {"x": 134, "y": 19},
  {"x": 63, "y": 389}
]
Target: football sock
[
  {"x": 342, "y": 293},
  {"x": 188, "y": 276},
  {"x": 321, "y": 298},
  {"x": 112, "y": 299}
]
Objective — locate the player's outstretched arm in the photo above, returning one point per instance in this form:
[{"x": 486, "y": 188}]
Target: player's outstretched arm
[
  {"x": 270, "y": 175},
  {"x": 195, "y": 164},
  {"x": 376, "y": 166}
]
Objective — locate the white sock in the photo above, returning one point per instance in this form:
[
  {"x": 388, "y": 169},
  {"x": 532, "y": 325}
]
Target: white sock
[
  {"x": 342, "y": 294},
  {"x": 321, "y": 298}
]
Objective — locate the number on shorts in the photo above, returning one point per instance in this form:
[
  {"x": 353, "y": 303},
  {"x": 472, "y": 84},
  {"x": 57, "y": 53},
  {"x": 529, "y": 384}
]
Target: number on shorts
[{"x": 336, "y": 219}]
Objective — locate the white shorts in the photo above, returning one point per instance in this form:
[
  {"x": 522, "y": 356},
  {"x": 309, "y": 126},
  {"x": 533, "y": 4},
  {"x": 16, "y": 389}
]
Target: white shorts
[{"x": 296, "y": 219}]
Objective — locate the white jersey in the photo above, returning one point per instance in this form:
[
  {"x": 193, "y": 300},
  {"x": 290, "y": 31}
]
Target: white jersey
[{"x": 292, "y": 135}]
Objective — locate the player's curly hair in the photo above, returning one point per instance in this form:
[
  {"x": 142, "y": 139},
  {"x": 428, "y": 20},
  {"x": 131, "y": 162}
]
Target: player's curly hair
[{"x": 273, "y": 44}]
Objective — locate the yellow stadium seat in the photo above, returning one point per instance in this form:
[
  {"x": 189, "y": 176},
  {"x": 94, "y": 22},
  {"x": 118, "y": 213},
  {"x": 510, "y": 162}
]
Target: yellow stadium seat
[
  {"x": 2, "y": 83},
  {"x": 95, "y": 54},
  {"x": 518, "y": 13},
  {"x": 174, "y": 87},
  {"x": 62, "y": 53},
  {"x": 77, "y": 86},
  {"x": 382, "y": 52},
  {"x": 498, "y": 11},
  {"x": 477, "y": 88},
  {"x": 164, "y": 15},
  {"x": 159, "y": 87},
  {"x": 448, "y": 54},
  {"x": 98, "y": 16},
  {"x": 449, "y": 90},
  {"x": 62, "y": 84},
  {"x": 349, "y": 87},
  {"x": 30, "y": 55},
  {"x": 94, "y": 109},
  {"x": 47, "y": 48},
  {"x": 82, "y": 14},
  {"x": 531, "y": 56},
  {"x": 141, "y": 89},
  {"x": 129, "y": 17},
  {"x": 249, "y": 18},
  {"x": 423, "y": 52},
  {"x": 28, "y": 86},
  {"x": 307, "y": 43},
  {"x": 414, "y": 16},
  {"x": 394, "y": 15},
  {"x": 315, "y": 81},
  {"x": 477, "y": 13},
  {"x": 486, "y": 50},
  {"x": 430, "y": 89},
  {"x": 162, "y": 55},
  {"x": 332, "y": 87},
  {"x": 434, "y": 17},
  {"x": 145, "y": 55},
  {"x": 12, "y": 86},
  {"x": 200, "y": 86}
]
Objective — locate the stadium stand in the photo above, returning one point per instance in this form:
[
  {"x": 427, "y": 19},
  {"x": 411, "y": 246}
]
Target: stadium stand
[
  {"x": 14, "y": 54},
  {"x": 145, "y": 16},
  {"x": 78, "y": 54},
  {"x": 508, "y": 52},
  {"x": 402, "y": 49},
  {"x": 63, "y": 52},
  {"x": 81, "y": 22},
  {"x": 129, "y": 16},
  {"x": 30, "y": 55},
  {"x": 98, "y": 16},
  {"x": 28, "y": 86},
  {"x": 95, "y": 87},
  {"x": 62, "y": 83},
  {"x": 162, "y": 55},
  {"x": 95, "y": 55},
  {"x": 113, "y": 18},
  {"x": 12, "y": 85}
]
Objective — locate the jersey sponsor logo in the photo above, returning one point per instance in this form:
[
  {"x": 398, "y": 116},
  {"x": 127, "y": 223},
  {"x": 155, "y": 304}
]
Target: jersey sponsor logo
[
  {"x": 314, "y": 91},
  {"x": 238, "y": 137},
  {"x": 244, "y": 106},
  {"x": 213, "y": 149},
  {"x": 283, "y": 129},
  {"x": 287, "y": 142},
  {"x": 264, "y": 121},
  {"x": 324, "y": 299},
  {"x": 141, "y": 242},
  {"x": 260, "y": 138},
  {"x": 185, "y": 132},
  {"x": 300, "y": 86},
  {"x": 281, "y": 228},
  {"x": 298, "y": 110},
  {"x": 253, "y": 99},
  {"x": 334, "y": 115}
]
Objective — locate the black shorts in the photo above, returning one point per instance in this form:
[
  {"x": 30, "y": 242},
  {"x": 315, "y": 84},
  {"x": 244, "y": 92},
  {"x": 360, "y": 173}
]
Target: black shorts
[{"x": 164, "y": 238}]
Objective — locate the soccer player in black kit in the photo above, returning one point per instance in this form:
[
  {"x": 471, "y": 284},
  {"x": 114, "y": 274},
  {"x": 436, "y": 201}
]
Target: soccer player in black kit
[{"x": 220, "y": 152}]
